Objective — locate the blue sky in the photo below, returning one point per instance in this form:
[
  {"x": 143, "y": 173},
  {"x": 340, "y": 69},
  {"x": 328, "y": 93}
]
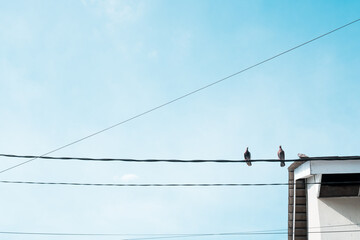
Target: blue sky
[{"x": 71, "y": 68}]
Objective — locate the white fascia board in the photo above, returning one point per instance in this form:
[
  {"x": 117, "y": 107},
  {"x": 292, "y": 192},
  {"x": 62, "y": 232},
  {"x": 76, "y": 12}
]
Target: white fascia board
[
  {"x": 334, "y": 167},
  {"x": 303, "y": 171},
  {"x": 310, "y": 168}
]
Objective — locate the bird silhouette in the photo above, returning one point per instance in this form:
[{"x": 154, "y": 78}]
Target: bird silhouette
[
  {"x": 281, "y": 155},
  {"x": 302, "y": 156},
  {"x": 247, "y": 156}
]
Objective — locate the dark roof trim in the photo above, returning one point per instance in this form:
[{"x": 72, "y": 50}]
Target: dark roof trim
[{"x": 295, "y": 165}]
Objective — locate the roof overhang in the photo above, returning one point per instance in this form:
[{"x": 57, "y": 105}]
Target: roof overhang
[{"x": 310, "y": 168}]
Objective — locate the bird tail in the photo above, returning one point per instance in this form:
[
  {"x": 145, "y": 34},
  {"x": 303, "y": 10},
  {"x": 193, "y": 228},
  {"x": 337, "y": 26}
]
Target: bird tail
[
  {"x": 248, "y": 163},
  {"x": 282, "y": 164}
]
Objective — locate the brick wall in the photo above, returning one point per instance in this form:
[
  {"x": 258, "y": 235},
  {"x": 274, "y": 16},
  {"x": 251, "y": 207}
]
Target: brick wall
[{"x": 300, "y": 207}]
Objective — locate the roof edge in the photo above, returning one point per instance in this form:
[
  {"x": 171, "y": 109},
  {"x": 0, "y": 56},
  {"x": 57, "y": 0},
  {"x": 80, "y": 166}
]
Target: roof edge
[{"x": 295, "y": 165}]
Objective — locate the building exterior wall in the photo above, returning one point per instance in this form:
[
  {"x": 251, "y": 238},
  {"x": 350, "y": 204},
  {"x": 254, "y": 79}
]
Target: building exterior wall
[
  {"x": 297, "y": 226},
  {"x": 342, "y": 214}
]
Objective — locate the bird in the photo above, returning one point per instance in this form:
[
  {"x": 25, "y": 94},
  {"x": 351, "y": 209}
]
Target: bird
[
  {"x": 247, "y": 156},
  {"x": 281, "y": 155},
  {"x": 302, "y": 156}
]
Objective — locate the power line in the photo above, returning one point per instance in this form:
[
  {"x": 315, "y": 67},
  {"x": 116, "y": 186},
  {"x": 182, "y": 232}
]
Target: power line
[
  {"x": 151, "y": 234},
  {"x": 340, "y": 225},
  {"x": 185, "y": 95},
  {"x": 150, "y": 184},
  {"x": 82, "y": 234},
  {"x": 168, "y": 236},
  {"x": 337, "y": 231},
  {"x": 156, "y": 236},
  {"x": 330, "y": 158},
  {"x": 171, "y": 184},
  {"x": 238, "y": 234},
  {"x": 212, "y": 235},
  {"x": 160, "y": 234}
]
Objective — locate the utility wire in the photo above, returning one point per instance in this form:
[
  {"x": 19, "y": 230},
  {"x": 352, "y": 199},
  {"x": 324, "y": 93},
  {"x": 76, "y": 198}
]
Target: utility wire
[
  {"x": 332, "y": 226},
  {"x": 330, "y": 158},
  {"x": 168, "y": 236},
  {"x": 337, "y": 231},
  {"x": 212, "y": 235},
  {"x": 239, "y": 234},
  {"x": 82, "y": 234},
  {"x": 148, "y": 236},
  {"x": 173, "y": 184},
  {"x": 157, "y": 234},
  {"x": 157, "y": 237},
  {"x": 185, "y": 95}
]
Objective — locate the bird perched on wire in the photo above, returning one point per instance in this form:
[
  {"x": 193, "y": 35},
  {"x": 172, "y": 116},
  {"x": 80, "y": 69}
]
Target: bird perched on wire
[
  {"x": 281, "y": 155},
  {"x": 302, "y": 156},
  {"x": 247, "y": 157}
]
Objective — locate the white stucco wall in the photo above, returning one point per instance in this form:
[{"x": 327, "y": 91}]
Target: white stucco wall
[{"x": 326, "y": 212}]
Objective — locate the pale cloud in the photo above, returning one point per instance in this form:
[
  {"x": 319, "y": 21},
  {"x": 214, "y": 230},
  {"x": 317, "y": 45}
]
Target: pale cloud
[
  {"x": 17, "y": 31},
  {"x": 118, "y": 11},
  {"x": 182, "y": 42},
  {"x": 84, "y": 2},
  {"x": 17, "y": 86},
  {"x": 182, "y": 39},
  {"x": 129, "y": 177},
  {"x": 121, "y": 11},
  {"x": 153, "y": 54}
]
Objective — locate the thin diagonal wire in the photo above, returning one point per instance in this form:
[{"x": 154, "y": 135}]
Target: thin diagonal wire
[
  {"x": 212, "y": 235},
  {"x": 158, "y": 237},
  {"x": 239, "y": 234},
  {"x": 185, "y": 95},
  {"x": 172, "y": 184},
  {"x": 181, "y": 236},
  {"x": 82, "y": 234},
  {"x": 162, "y": 234},
  {"x": 329, "y": 158}
]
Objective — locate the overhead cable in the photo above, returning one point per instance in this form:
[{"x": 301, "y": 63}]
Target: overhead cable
[
  {"x": 168, "y": 236},
  {"x": 155, "y": 235},
  {"x": 330, "y": 158},
  {"x": 241, "y": 234},
  {"x": 172, "y": 184},
  {"x": 185, "y": 95},
  {"x": 160, "y": 234}
]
